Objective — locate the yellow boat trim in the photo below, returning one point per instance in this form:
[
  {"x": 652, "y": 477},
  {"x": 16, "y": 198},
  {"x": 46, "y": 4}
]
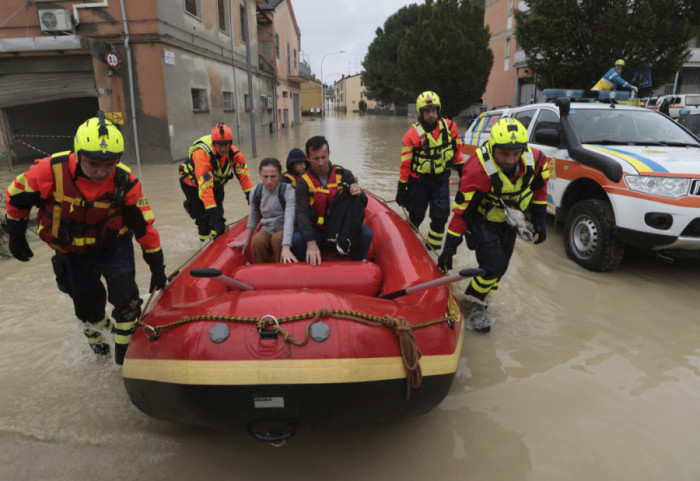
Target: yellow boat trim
[
  {"x": 285, "y": 371},
  {"x": 638, "y": 164}
]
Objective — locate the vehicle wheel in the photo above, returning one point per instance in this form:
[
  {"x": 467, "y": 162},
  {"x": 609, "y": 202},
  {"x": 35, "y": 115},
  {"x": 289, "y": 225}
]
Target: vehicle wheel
[{"x": 589, "y": 236}]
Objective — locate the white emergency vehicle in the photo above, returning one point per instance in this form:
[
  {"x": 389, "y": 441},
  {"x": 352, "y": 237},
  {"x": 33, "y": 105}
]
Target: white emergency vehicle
[{"x": 620, "y": 176}]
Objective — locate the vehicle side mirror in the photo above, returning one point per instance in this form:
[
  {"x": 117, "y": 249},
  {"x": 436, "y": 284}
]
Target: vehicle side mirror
[{"x": 548, "y": 137}]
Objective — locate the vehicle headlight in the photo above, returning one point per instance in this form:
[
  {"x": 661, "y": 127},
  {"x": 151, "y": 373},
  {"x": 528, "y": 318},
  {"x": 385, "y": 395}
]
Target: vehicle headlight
[{"x": 657, "y": 185}]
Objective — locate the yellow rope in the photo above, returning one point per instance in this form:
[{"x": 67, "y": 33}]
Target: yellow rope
[{"x": 410, "y": 354}]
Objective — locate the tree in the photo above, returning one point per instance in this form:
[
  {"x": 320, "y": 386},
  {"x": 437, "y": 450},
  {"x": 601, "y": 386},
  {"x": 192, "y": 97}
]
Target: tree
[
  {"x": 572, "y": 43},
  {"x": 447, "y": 51},
  {"x": 380, "y": 75}
]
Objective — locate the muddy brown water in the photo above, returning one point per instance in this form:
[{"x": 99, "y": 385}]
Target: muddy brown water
[{"x": 583, "y": 376}]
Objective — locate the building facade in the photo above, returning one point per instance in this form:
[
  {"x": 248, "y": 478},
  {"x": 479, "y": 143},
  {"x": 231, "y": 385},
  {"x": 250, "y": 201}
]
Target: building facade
[
  {"x": 280, "y": 41},
  {"x": 510, "y": 81},
  {"x": 166, "y": 70},
  {"x": 348, "y": 92}
]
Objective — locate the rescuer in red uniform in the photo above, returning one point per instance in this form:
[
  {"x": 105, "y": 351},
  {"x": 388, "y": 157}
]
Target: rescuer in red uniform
[
  {"x": 212, "y": 161},
  {"x": 500, "y": 182},
  {"x": 430, "y": 147},
  {"x": 90, "y": 208}
]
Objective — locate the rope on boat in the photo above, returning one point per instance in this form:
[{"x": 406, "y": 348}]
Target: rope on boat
[{"x": 410, "y": 354}]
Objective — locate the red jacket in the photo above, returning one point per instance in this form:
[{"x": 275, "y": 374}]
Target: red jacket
[{"x": 88, "y": 207}]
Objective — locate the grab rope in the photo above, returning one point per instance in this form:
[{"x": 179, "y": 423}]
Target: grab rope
[{"x": 410, "y": 354}]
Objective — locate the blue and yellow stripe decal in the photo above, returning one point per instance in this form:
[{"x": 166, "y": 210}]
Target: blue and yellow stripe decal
[
  {"x": 642, "y": 164},
  {"x": 478, "y": 129}
]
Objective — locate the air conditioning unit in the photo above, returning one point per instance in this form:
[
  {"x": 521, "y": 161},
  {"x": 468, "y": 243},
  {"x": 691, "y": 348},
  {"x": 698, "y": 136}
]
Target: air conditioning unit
[{"x": 56, "y": 20}]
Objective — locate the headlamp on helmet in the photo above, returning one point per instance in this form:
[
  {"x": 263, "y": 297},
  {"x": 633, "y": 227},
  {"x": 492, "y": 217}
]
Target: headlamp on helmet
[
  {"x": 508, "y": 134},
  {"x": 427, "y": 99},
  {"x": 99, "y": 139}
]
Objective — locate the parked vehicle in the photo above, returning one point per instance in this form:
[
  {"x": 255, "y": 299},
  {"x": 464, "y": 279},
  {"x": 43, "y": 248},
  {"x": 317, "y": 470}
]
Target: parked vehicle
[
  {"x": 620, "y": 176},
  {"x": 691, "y": 101},
  {"x": 479, "y": 130},
  {"x": 649, "y": 102}
]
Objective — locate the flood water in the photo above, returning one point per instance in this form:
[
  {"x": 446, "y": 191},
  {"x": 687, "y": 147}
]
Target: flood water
[{"x": 584, "y": 376}]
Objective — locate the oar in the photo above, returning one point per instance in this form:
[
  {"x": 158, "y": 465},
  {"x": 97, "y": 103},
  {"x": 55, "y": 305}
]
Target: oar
[
  {"x": 216, "y": 274},
  {"x": 434, "y": 283}
]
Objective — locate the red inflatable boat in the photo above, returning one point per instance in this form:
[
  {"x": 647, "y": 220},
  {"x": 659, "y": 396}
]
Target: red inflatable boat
[{"x": 272, "y": 346}]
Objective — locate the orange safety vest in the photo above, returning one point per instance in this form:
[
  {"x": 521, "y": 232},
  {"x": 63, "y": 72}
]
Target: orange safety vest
[
  {"x": 70, "y": 223},
  {"x": 322, "y": 198}
]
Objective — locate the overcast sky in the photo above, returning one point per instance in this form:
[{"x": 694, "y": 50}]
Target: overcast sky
[{"x": 329, "y": 26}]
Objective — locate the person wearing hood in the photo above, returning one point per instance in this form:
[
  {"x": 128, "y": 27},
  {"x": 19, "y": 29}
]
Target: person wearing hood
[
  {"x": 296, "y": 165},
  {"x": 430, "y": 147}
]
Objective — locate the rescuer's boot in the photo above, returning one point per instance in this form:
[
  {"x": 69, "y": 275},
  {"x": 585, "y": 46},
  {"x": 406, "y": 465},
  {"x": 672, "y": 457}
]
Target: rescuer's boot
[{"x": 479, "y": 318}]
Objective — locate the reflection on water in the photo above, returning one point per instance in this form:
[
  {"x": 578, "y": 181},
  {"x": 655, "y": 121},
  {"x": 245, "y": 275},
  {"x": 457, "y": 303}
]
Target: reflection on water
[{"x": 583, "y": 376}]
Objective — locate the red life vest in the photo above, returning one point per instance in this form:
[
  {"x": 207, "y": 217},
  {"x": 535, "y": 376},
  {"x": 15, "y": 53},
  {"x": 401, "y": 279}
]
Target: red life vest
[
  {"x": 322, "y": 198},
  {"x": 70, "y": 223}
]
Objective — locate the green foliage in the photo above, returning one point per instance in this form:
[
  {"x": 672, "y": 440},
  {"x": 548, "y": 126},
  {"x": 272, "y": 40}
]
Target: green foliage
[
  {"x": 446, "y": 51},
  {"x": 381, "y": 75},
  {"x": 362, "y": 105},
  {"x": 572, "y": 43}
]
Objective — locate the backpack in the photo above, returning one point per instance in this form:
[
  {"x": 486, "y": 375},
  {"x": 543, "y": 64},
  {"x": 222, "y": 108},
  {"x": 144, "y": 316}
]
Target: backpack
[{"x": 257, "y": 194}]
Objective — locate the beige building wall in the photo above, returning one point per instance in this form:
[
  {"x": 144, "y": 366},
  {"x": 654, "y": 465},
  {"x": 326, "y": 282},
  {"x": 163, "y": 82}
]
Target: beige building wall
[
  {"x": 311, "y": 96},
  {"x": 286, "y": 41},
  {"x": 347, "y": 93}
]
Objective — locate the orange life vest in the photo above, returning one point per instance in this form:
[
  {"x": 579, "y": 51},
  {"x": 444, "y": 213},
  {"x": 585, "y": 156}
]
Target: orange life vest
[
  {"x": 322, "y": 198},
  {"x": 70, "y": 223}
]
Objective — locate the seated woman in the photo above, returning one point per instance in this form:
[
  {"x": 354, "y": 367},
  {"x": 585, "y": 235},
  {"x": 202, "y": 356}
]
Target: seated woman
[{"x": 272, "y": 204}]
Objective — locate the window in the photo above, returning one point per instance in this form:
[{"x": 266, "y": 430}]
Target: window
[
  {"x": 228, "y": 101},
  {"x": 524, "y": 117},
  {"x": 191, "y": 7},
  {"x": 506, "y": 61},
  {"x": 243, "y": 24},
  {"x": 246, "y": 102},
  {"x": 289, "y": 63},
  {"x": 199, "y": 100},
  {"x": 547, "y": 119},
  {"x": 221, "y": 11},
  {"x": 295, "y": 59},
  {"x": 277, "y": 45}
]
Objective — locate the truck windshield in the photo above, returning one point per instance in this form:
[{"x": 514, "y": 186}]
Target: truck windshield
[{"x": 637, "y": 127}]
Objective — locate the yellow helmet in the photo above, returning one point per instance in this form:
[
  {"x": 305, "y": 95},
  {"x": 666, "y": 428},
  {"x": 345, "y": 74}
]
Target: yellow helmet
[
  {"x": 427, "y": 99},
  {"x": 99, "y": 139},
  {"x": 508, "y": 134},
  {"x": 620, "y": 62}
]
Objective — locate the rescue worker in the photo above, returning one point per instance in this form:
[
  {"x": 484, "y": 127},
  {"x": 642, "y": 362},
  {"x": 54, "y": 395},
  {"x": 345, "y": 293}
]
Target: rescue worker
[
  {"x": 613, "y": 79},
  {"x": 90, "y": 208},
  {"x": 504, "y": 176},
  {"x": 296, "y": 165},
  {"x": 318, "y": 192},
  {"x": 212, "y": 161},
  {"x": 430, "y": 146}
]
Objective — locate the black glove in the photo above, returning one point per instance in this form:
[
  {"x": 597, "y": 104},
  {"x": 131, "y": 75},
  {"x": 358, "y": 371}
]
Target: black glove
[
  {"x": 459, "y": 168},
  {"x": 538, "y": 216},
  {"x": 247, "y": 197},
  {"x": 19, "y": 247},
  {"x": 448, "y": 251},
  {"x": 402, "y": 194},
  {"x": 217, "y": 224},
  {"x": 155, "y": 263}
]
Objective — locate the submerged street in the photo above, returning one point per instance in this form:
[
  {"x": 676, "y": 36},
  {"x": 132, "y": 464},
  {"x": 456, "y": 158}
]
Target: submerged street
[{"x": 583, "y": 375}]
